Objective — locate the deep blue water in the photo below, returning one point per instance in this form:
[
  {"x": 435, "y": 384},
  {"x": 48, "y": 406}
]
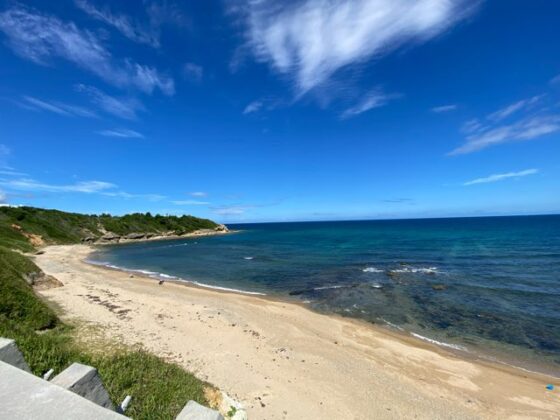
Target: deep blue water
[{"x": 489, "y": 285}]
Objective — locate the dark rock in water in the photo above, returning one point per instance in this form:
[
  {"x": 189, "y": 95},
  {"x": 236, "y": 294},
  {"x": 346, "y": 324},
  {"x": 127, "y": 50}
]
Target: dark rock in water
[
  {"x": 439, "y": 287},
  {"x": 297, "y": 292}
]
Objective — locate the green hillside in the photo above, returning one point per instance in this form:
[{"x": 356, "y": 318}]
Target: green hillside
[
  {"x": 159, "y": 388},
  {"x": 58, "y": 227}
]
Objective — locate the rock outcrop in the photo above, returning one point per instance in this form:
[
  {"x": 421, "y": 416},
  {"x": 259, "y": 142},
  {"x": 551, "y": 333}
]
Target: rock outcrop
[
  {"x": 110, "y": 237},
  {"x": 135, "y": 236},
  {"x": 42, "y": 281}
]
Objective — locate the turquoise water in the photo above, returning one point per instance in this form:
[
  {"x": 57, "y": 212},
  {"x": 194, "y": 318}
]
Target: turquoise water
[{"x": 489, "y": 286}]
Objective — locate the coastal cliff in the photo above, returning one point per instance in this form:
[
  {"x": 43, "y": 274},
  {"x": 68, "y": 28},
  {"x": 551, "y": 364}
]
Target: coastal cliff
[{"x": 25, "y": 228}]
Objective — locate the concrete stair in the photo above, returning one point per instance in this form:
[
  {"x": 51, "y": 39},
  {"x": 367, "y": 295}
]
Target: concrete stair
[{"x": 75, "y": 393}]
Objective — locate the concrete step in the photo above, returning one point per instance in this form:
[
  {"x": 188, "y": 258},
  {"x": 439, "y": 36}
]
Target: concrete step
[
  {"x": 85, "y": 381},
  {"x": 9, "y": 353},
  {"x": 24, "y": 396}
]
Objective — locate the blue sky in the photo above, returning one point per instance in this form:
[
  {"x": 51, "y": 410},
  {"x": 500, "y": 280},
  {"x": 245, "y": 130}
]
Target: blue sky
[{"x": 281, "y": 110}]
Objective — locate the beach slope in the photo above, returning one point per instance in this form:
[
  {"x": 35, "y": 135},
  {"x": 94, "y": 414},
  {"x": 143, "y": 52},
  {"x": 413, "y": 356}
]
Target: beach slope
[{"x": 283, "y": 361}]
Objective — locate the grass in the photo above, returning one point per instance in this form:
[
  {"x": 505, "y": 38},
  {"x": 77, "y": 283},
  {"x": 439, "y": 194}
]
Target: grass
[
  {"x": 65, "y": 228},
  {"x": 159, "y": 388}
]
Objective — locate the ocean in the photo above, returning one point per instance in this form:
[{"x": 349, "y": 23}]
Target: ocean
[{"x": 487, "y": 286}]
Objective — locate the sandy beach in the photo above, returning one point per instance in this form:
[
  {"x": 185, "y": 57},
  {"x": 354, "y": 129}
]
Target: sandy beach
[{"x": 283, "y": 361}]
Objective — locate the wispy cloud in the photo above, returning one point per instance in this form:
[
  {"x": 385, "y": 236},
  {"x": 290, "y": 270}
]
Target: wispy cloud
[
  {"x": 134, "y": 31},
  {"x": 310, "y": 40},
  {"x": 9, "y": 172},
  {"x": 501, "y": 177},
  {"x": 86, "y": 187},
  {"x": 399, "y": 201},
  {"x": 522, "y": 120},
  {"x": 193, "y": 72},
  {"x": 444, "y": 108},
  {"x": 199, "y": 194},
  {"x": 126, "y": 195},
  {"x": 235, "y": 210},
  {"x": 373, "y": 99},
  {"x": 27, "y": 184},
  {"x": 60, "y": 108},
  {"x": 254, "y": 106},
  {"x": 126, "y": 108},
  {"x": 527, "y": 128},
  {"x": 42, "y": 38},
  {"x": 190, "y": 203},
  {"x": 511, "y": 109},
  {"x": 122, "y": 133},
  {"x": 555, "y": 80}
]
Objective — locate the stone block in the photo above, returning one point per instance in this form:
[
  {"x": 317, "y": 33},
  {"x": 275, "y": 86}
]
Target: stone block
[
  {"x": 85, "y": 381},
  {"x": 195, "y": 411},
  {"x": 9, "y": 353}
]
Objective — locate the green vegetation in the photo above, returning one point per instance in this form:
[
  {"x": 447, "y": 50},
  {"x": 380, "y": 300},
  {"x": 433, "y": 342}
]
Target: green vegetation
[
  {"x": 160, "y": 389},
  {"x": 60, "y": 227}
]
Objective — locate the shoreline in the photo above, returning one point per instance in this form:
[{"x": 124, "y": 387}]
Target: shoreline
[
  {"x": 403, "y": 364},
  {"x": 480, "y": 354}
]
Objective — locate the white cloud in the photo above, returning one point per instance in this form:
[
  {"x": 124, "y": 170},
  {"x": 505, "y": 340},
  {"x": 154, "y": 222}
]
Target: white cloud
[
  {"x": 126, "y": 108},
  {"x": 199, "y": 194},
  {"x": 122, "y": 23},
  {"x": 514, "y": 107},
  {"x": 123, "y": 194},
  {"x": 193, "y": 72},
  {"x": 230, "y": 210},
  {"x": 27, "y": 184},
  {"x": 472, "y": 126},
  {"x": 190, "y": 203},
  {"x": 310, "y": 40},
  {"x": 9, "y": 172},
  {"x": 555, "y": 80},
  {"x": 444, "y": 108},
  {"x": 87, "y": 187},
  {"x": 374, "y": 99},
  {"x": 254, "y": 106},
  {"x": 122, "y": 133},
  {"x": 56, "y": 107},
  {"x": 42, "y": 38},
  {"x": 501, "y": 177},
  {"x": 527, "y": 128}
]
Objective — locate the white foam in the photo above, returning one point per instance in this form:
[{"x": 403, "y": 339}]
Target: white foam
[
  {"x": 329, "y": 287},
  {"x": 157, "y": 275},
  {"x": 395, "y": 326},
  {"x": 226, "y": 289},
  {"x": 248, "y": 258},
  {"x": 372, "y": 270},
  {"x": 439, "y": 343},
  {"x": 376, "y": 286},
  {"x": 426, "y": 270}
]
